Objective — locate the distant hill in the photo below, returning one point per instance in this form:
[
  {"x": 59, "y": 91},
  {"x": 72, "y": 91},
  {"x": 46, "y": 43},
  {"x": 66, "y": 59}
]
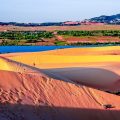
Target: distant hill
[
  {"x": 113, "y": 19},
  {"x": 32, "y": 24},
  {"x": 67, "y": 23}
]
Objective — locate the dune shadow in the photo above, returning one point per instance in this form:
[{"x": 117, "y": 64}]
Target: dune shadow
[
  {"x": 31, "y": 112},
  {"x": 94, "y": 77}
]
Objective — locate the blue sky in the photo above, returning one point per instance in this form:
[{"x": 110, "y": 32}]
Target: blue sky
[{"x": 55, "y": 10}]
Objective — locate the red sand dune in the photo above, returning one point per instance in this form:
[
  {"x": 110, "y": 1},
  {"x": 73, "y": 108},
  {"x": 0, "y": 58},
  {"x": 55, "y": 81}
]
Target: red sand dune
[{"x": 31, "y": 93}]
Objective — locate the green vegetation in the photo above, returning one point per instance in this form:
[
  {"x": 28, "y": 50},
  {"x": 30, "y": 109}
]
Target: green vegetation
[
  {"x": 91, "y": 33},
  {"x": 33, "y": 37},
  {"x": 60, "y": 43},
  {"x": 94, "y": 43},
  {"x": 25, "y": 35},
  {"x": 10, "y": 43}
]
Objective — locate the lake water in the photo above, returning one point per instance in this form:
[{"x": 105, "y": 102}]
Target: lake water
[{"x": 12, "y": 49}]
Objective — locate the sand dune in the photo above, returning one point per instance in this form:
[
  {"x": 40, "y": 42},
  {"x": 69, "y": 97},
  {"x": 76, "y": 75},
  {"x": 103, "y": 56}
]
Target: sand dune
[
  {"x": 76, "y": 57},
  {"x": 94, "y": 68},
  {"x": 100, "y": 77},
  {"x": 48, "y": 86}
]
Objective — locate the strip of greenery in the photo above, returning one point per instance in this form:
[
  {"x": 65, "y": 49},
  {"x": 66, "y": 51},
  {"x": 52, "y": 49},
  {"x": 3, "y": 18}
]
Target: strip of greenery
[
  {"x": 60, "y": 43},
  {"x": 96, "y": 43},
  {"x": 26, "y": 35},
  {"x": 91, "y": 33},
  {"x": 10, "y": 43}
]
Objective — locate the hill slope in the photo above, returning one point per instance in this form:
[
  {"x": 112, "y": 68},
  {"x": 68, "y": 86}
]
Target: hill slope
[{"x": 113, "y": 19}]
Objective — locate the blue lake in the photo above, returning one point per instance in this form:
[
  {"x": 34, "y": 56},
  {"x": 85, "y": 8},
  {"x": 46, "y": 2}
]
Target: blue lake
[{"x": 12, "y": 49}]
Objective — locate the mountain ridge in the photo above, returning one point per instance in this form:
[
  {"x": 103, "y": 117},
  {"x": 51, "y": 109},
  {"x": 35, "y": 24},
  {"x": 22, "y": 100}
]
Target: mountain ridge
[{"x": 113, "y": 19}]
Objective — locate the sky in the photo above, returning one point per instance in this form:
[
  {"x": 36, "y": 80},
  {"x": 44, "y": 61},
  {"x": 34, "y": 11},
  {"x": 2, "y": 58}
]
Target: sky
[{"x": 38, "y": 11}]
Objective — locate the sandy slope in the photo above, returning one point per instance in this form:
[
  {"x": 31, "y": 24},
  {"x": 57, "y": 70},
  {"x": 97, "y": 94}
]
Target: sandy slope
[
  {"x": 45, "y": 86},
  {"x": 36, "y": 96},
  {"x": 95, "y": 67},
  {"x": 69, "y": 57}
]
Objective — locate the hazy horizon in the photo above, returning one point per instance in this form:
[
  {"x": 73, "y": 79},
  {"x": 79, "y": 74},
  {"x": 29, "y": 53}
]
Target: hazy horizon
[{"x": 37, "y": 11}]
